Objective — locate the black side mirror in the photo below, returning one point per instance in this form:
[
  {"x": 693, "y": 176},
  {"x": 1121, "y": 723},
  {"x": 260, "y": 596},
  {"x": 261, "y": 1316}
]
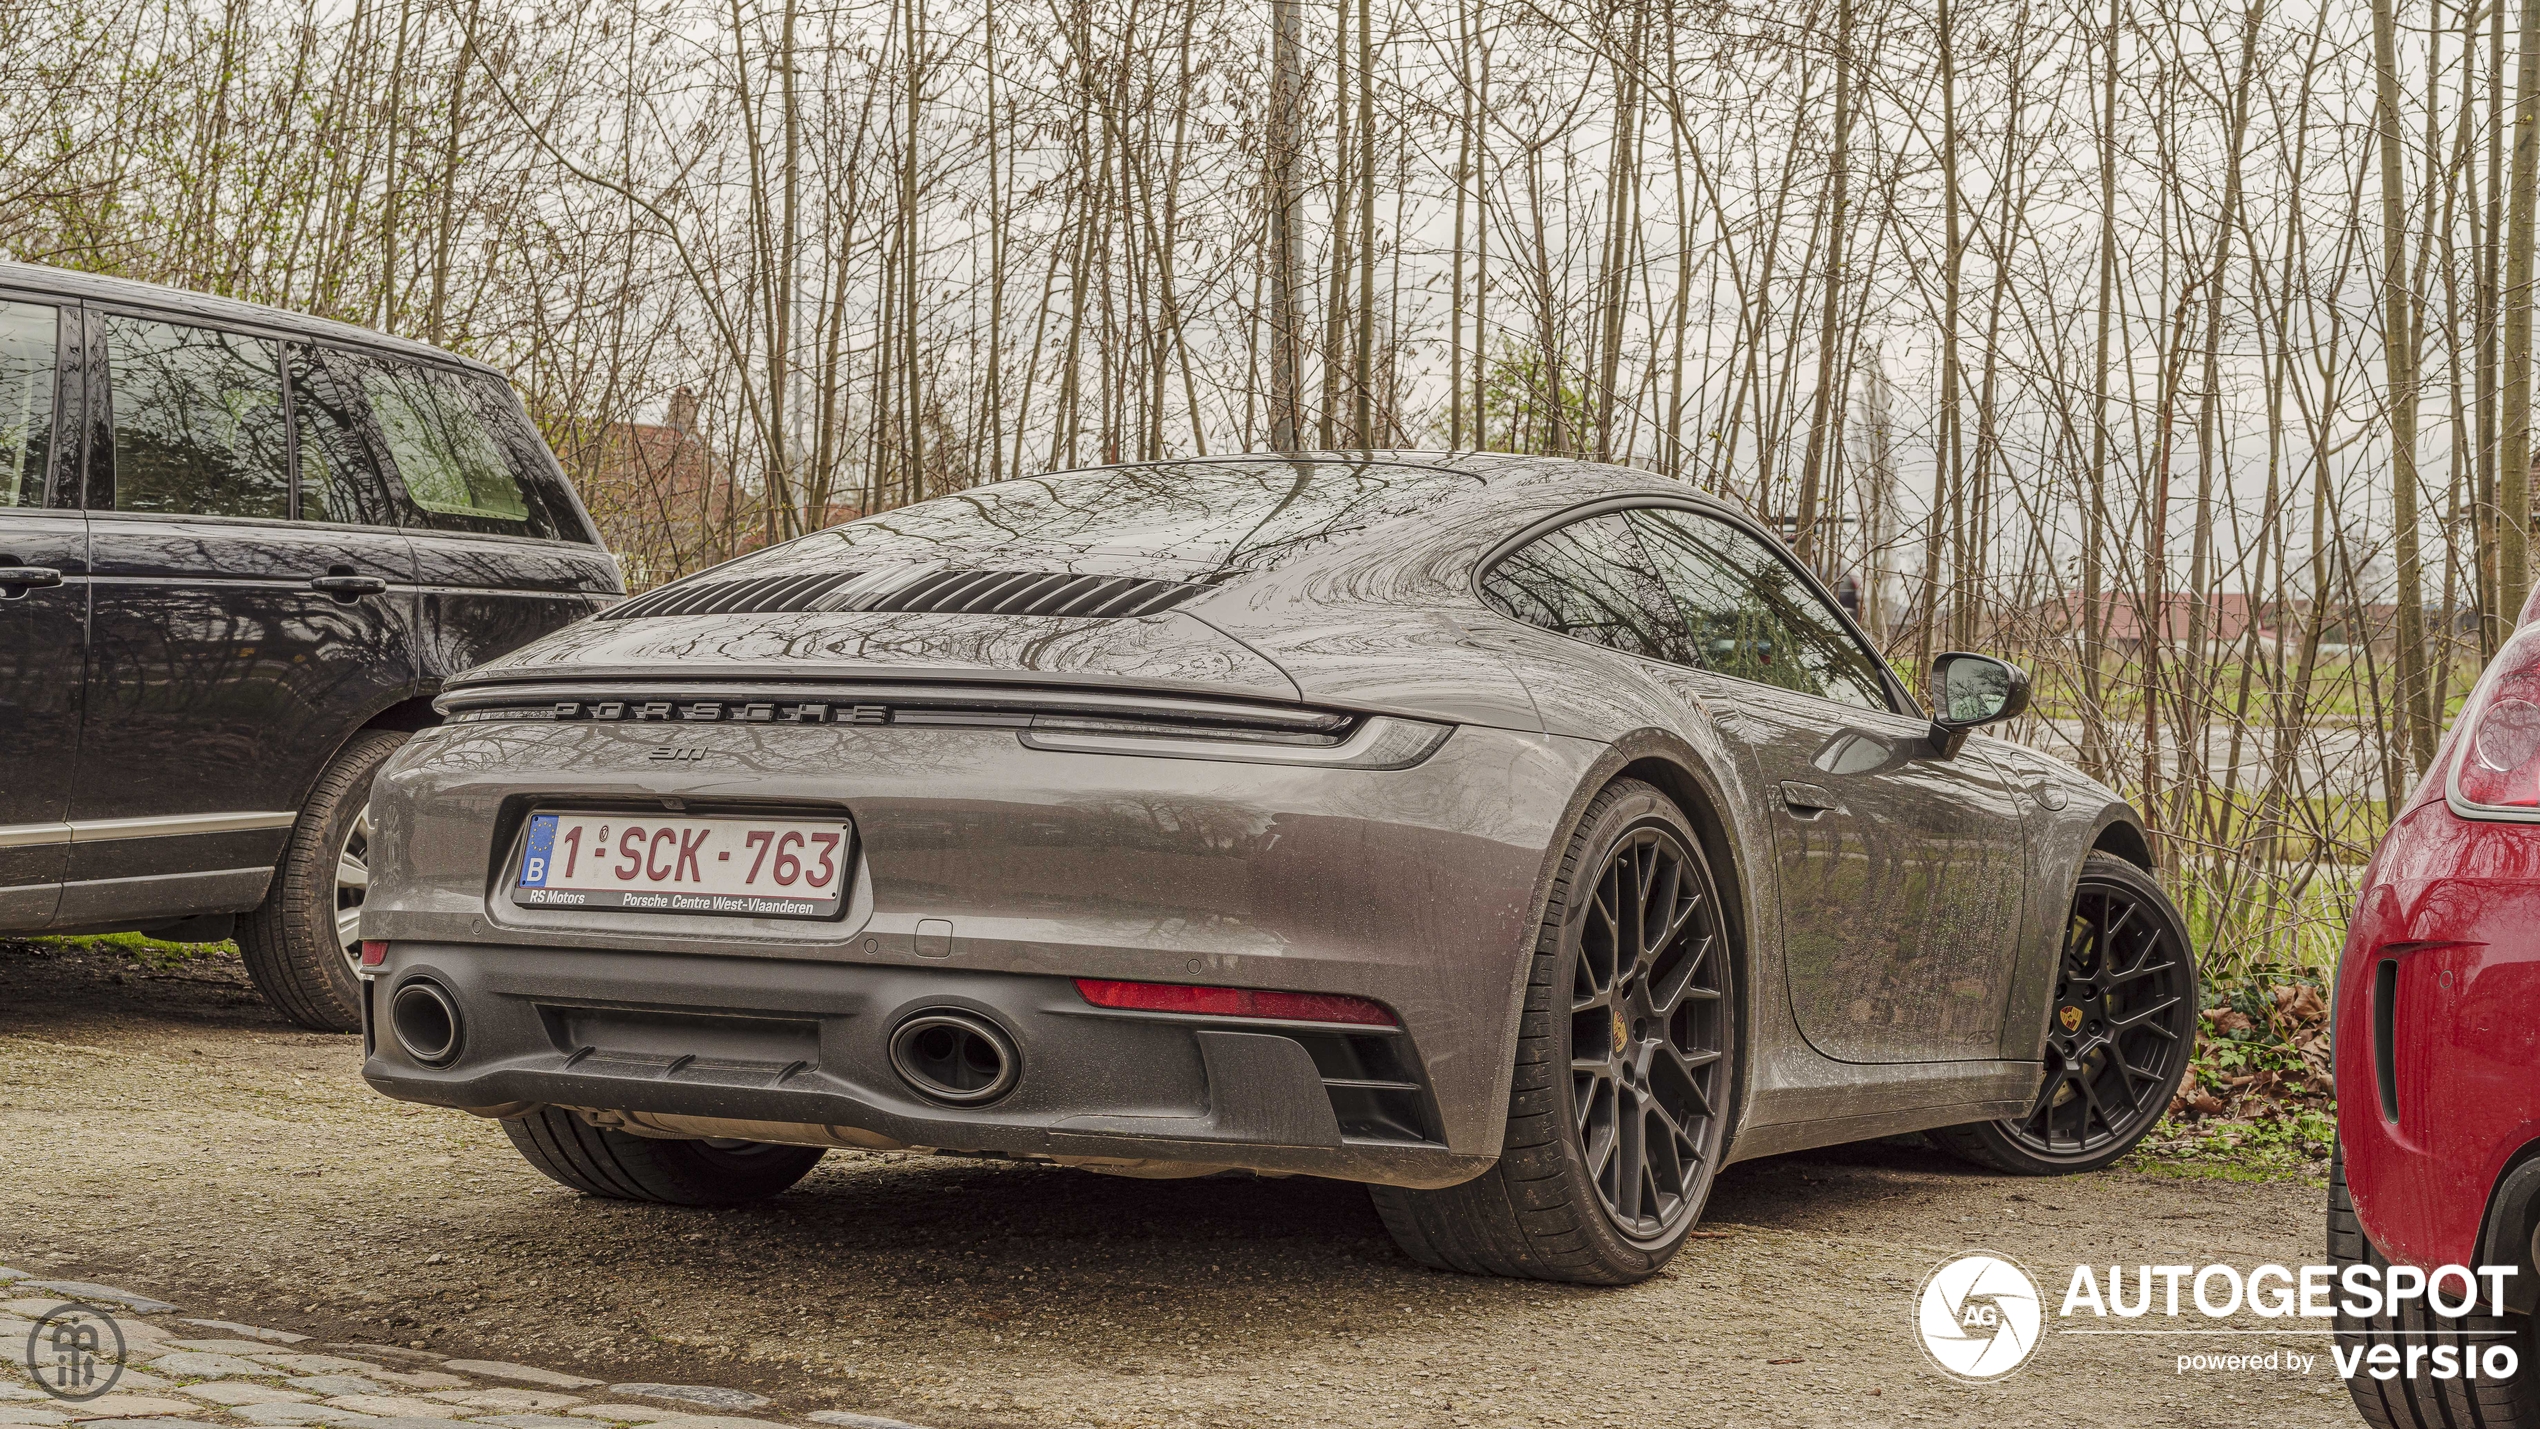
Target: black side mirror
[{"x": 1968, "y": 690}]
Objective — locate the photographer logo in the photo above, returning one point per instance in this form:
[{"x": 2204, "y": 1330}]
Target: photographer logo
[
  {"x": 75, "y": 1352},
  {"x": 1978, "y": 1317}
]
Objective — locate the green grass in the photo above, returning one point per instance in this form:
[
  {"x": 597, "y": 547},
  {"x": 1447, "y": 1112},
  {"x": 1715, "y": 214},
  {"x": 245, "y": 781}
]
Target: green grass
[
  {"x": 2272, "y": 926},
  {"x": 141, "y": 948},
  {"x": 2225, "y": 1151},
  {"x": 2342, "y": 691},
  {"x": 2311, "y": 828}
]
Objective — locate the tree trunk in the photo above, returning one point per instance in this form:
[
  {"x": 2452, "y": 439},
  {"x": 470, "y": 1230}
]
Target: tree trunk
[
  {"x": 1362, "y": 377},
  {"x": 1828, "y": 406},
  {"x": 1287, "y": 85},
  {"x": 2513, "y": 473}
]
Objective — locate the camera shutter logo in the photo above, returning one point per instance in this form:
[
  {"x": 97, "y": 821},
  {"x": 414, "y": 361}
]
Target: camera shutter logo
[
  {"x": 1978, "y": 1317},
  {"x": 75, "y": 1352}
]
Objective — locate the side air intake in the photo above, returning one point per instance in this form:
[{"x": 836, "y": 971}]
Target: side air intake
[{"x": 892, "y": 591}]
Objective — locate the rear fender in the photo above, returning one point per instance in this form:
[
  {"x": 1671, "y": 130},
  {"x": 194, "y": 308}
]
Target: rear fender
[{"x": 1710, "y": 790}]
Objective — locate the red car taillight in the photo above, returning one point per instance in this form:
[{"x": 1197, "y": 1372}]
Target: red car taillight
[
  {"x": 2498, "y": 764},
  {"x": 1234, "y": 1002}
]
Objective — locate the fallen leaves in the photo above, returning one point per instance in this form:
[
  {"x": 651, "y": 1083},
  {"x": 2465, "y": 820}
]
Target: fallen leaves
[
  {"x": 2260, "y": 1066},
  {"x": 2227, "y": 1020}
]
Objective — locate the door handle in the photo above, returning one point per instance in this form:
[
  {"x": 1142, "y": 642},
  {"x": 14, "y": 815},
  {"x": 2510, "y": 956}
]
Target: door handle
[
  {"x": 1808, "y": 799},
  {"x": 26, "y": 578},
  {"x": 348, "y": 589}
]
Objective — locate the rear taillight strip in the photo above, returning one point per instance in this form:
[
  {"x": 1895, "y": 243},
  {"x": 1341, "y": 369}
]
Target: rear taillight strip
[
  {"x": 1239, "y": 1002},
  {"x": 1380, "y": 742}
]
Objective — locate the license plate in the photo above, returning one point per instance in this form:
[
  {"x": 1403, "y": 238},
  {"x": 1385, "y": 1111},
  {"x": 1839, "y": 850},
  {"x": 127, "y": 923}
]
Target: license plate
[{"x": 762, "y": 868}]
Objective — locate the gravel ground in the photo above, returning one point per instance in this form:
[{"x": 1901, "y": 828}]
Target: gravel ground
[{"x": 161, "y": 1131}]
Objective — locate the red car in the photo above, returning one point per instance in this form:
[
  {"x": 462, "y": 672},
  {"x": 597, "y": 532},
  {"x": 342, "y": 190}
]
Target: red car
[{"x": 2438, "y": 1064}]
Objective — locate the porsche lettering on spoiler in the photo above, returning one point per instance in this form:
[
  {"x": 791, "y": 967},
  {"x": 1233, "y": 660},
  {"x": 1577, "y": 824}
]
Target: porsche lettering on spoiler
[{"x": 717, "y": 711}]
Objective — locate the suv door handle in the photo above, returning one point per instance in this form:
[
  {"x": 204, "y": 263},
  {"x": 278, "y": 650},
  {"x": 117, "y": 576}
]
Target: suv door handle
[
  {"x": 26, "y": 578},
  {"x": 349, "y": 588}
]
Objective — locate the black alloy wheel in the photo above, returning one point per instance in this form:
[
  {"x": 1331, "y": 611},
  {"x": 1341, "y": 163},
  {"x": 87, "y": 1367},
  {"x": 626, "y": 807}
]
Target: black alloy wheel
[
  {"x": 1626, "y": 1067},
  {"x": 1646, "y": 1011},
  {"x": 2118, "y": 1036}
]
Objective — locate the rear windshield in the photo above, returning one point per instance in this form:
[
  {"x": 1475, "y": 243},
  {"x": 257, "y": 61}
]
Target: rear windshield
[{"x": 1169, "y": 522}]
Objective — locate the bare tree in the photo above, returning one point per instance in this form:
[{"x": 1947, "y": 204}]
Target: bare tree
[{"x": 1954, "y": 295}]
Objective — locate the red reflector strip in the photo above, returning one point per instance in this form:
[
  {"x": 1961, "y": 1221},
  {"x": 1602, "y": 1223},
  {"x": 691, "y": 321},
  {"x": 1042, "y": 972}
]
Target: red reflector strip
[
  {"x": 374, "y": 955},
  {"x": 1235, "y": 1002}
]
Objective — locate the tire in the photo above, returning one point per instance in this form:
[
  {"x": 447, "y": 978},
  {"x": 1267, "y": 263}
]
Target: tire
[
  {"x": 2424, "y": 1402},
  {"x": 292, "y": 942},
  {"x": 1571, "y": 1199},
  {"x": 2129, "y": 983},
  {"x": 600, "y": 1161}
]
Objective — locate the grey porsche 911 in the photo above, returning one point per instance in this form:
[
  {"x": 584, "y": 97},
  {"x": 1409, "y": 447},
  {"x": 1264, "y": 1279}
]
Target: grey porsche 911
[{"x": 1524, "y": 838}]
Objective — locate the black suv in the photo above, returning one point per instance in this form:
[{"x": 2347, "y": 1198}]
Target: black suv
[{"x": 239, "y": 552}]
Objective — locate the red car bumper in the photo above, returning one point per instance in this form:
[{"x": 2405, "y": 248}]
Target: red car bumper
[{"x": 2438, "y": 1028}]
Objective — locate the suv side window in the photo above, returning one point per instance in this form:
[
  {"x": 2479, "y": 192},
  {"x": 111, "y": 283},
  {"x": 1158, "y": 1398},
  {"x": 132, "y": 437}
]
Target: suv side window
[
  {"x": 454, "y": 439},
  {"x": 339, "y": 476},
  {"x": 1592, "y": 581},
  {"x": 1752, "y": 616},
  {"x": 532, "y": 464},
  {"x": 198, "y": 427},
  {"x": 27, "y": 341}
]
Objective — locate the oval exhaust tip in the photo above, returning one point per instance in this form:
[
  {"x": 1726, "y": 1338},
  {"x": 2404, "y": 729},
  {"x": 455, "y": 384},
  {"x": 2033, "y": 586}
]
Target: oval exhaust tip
[
  {"x": 958, "y": 1058},
  {"x": 426, "y": 1022}
]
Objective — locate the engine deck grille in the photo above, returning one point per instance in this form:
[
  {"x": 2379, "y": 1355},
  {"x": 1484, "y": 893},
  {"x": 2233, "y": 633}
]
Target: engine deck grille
[{"x": 903, "y": 589}]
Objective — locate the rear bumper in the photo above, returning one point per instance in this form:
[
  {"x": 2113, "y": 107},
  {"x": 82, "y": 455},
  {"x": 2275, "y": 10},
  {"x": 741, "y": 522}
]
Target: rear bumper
[
  {"x": 990, "y": 876},
  {"x": 2437, "y": 1037},
  {"x": 798, "y": 1051}
]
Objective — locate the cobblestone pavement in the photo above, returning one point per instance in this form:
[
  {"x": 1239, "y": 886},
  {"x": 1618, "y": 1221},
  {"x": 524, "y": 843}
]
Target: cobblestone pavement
[
  {"x": 161, "y": 1132},
  {"x": 182, "y": 1372}
]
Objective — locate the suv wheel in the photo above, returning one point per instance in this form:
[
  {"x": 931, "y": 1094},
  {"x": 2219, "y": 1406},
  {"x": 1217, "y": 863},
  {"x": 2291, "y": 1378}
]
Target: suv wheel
[
  {"x": 1626, "y": 1055},
  {"x": 303, "y": 943},
  {"x": 602, "y": 1161}
]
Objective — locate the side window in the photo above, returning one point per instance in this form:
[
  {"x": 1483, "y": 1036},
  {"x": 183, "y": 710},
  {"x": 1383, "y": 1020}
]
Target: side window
[
  {"x": 457, "y": 475},
  {"x": 27, "y": 336},
  {"x": 1751, "y": 614},
  {"x": 339, "y": 478},
  {"x": 198, "y": 421},
  {"x": 1590, "y": 579},
  {"x": 541, "y": 480}
]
